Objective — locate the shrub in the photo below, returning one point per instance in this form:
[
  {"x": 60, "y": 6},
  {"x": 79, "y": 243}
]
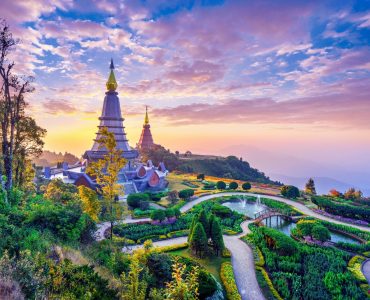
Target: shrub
[
  {"x": 246, "y": 186},
  {"x": 290, "y": 191},
  {"x": 269, "y": 283},
  {"x": 134, "y": 200},
  {"x": 221, "y": 185},
  {"x": 170, "y": 213},
  {"x": 186, "y": 194},
  {"x": 233, "y": 185},
  {"x": 178, "y": 233},
  {"x": 221, "y": 211},
  {"x": 354, "y": 266},
  {"x": 158, "y": 215},
  {"x": 228, "y": 280}
]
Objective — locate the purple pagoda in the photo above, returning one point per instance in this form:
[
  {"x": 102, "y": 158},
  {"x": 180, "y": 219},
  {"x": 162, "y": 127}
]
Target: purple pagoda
[{"x": 111, "y": 118}]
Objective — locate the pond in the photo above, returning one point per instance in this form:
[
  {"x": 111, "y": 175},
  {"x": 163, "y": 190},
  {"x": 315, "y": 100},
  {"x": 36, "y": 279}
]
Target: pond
[
  {"x": 245, "y": 208},
  {"x": 284, "y": 226}
]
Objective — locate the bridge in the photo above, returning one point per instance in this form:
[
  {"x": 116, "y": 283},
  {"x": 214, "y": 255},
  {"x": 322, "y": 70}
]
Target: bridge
[{"x": 271, "y": 212}]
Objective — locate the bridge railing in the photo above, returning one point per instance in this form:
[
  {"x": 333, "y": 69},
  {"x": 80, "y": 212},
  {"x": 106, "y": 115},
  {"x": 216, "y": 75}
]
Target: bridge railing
[{"x": 270, "y": 211}]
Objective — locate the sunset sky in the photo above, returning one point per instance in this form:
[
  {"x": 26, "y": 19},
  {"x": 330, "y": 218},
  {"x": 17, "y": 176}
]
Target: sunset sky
[{"x": 285, "y": 84}]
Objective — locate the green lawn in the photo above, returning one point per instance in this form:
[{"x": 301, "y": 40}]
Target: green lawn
[{"x": 211, "y": 264}]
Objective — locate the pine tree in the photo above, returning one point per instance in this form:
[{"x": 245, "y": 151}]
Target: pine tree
[
  {"x": 310, "y": 187},
  {"x": 191, "y": 229},
  {"x": 198, "y": 240},
  {"x": 203, "y": 219},
  {"x": 210, "y": 222},
  {"x": 216, "y": 237}
]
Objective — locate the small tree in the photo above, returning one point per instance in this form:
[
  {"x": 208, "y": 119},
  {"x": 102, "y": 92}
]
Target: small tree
[
  {"x": 216, "y": 237},
  {"x": 90, "y": 202},
  {"x": 158, "y": 215},
  {"x": 106, "y": 171},
  {"x": 201, "y": 176},
  {"x": 233, "y": 185},
  {"x": 310, "y": 187},
  {"x": 132, "y": 287},
  {"x": 199, "y": 241},
  {"x": 172, "y": 196},
  {"x": 246, "y": 186},
  {"x": 321, "y": 233},
  {"x": 221, "y": 185},
  {"x": 183, "y": 286}
]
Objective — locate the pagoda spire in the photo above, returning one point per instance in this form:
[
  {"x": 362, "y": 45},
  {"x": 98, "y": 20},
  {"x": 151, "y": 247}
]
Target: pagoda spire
[
  {"x": 111, "y": 83},
  {"x": 146, "y": 121}
]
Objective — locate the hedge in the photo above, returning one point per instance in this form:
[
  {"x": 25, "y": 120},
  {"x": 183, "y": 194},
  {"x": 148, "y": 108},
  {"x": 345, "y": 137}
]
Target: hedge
[
  {"x": 269, "y": 283},
  {"x": 178, "y": 233},
  {"x": 354, "y": 266},
  {"x": 226, "y": 253},
  {"x": 228, "y": 280},
  {"x": 154, "y": 237},
  {"x": 259, "y": 260},
  {"x": 173, "y": 247}
]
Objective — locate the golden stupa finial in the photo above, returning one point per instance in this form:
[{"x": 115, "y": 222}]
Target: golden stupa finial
[
  {"x": 146, "y": 121},
  {"x": 111, "y": 83}
]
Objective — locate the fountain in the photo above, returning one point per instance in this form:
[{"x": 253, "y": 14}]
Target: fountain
[
  {"x": 244, "y": 202},
  {"x": 258, "y": 202}
]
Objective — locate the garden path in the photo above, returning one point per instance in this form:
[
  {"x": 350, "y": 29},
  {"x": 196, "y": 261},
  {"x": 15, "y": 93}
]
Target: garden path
[
  {"x": 241, "y": 253},
  {"x": 366, "y": 270}
]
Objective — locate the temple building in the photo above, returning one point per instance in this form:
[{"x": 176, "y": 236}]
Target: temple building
[
  {"x": 111, "y": 118},
  {"x": 146, "y": 138},
  {"x": 136, "y": 176}
]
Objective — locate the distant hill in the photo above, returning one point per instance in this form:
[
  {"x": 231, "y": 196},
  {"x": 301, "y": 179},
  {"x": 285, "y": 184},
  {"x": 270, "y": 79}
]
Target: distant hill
[
  {"x": 227, "y": 167},
  {"x": 49, "y": 158},
  {"x": 323, "y": 184}
]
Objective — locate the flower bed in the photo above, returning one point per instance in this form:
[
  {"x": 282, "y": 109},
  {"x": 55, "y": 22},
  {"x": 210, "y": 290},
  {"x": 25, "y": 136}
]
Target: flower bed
[
  {"x": 340, "y": 218},
  {"x": 228, "y": 280}
]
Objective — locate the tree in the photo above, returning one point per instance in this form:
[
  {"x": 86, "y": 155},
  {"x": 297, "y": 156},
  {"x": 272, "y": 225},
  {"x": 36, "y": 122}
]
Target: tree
[
  {"x": 198, "y": 240},
  {"x": 183, "y": 286},
  {"x": 132, "y": 287},
  {"x": 310, "y": 187},
  {"x": 246, "y": 186},
  {"x": 216, "y": 237},
  {"x": 192, "y": 226},
  {"x": 158, "y": 215},
  {"x": 233, "y": 185},
  {"x": 134, "y": 200},
  {"x": 12, "y": 105},
  {"x": 106, "y": 171},
  {"x": 203, "y": 219},
  {"x": 90, "y": 202},
  {"x": 28, "y": 144},
  {"x": 60, "y": 192},
  {"x": 201, "y": 176},
  {"x": 290, "y": 191},
  {"x": 335, "y": 193},
  {"x": 321, "y": 233},
  {"x": 172, "y": 196},
  {"x": 158, "y": 154},
  {"x": 177, "y": 212},
  {"x": 352, "y": 194},
  {"x": 221, "y": 185},
  {"x": 186, "y": 194}
]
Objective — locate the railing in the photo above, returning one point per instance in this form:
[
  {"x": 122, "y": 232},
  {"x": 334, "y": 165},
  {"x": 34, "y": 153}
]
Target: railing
[{"x": 270, "y": 212}]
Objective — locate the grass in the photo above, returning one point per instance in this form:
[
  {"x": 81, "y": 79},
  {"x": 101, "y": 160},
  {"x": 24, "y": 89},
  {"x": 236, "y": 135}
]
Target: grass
[{"x": 211, "y": 264}]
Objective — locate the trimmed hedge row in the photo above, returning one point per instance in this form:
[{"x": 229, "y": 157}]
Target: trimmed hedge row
[
  {"x": 178, "y": 233},
  {"x": 173, "y": 247},
  {"x": 228, "y": 280},
  {"x": 257, "y": 254},
  {"x": 354, "y": 266}
]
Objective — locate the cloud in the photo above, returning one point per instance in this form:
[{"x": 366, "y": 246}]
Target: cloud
[
  {"x": 337, "y": 110},
  {"x": 56, "y": 107}
]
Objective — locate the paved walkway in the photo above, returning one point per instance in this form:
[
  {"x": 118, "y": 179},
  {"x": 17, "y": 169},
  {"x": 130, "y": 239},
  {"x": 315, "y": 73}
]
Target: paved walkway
[
  {"x": 241, "y": 253},
  {"x": 241, "y": 259},
  {"x": 366, "y": 270}
]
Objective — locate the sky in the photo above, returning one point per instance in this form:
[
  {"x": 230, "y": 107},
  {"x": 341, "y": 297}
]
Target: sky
[{"x": 285, "y": 84}]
